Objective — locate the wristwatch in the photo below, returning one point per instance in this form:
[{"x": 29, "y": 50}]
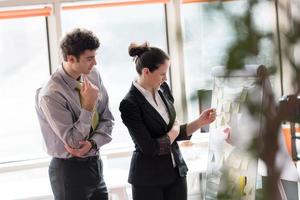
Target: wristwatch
[{"x": 94, "y": 144}]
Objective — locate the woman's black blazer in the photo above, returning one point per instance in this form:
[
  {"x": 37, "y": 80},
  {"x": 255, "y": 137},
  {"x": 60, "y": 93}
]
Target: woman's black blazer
[{"x": 151, "y": 162}]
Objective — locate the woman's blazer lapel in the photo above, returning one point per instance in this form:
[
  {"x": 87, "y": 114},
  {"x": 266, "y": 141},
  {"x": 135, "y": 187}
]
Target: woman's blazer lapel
[
  {"x": 146, "y": 106},
  {"x": 169, "y": 104}
]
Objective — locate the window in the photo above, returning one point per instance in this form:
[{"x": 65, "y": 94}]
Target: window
[
  {"x": 30, "y": 184},
  {"x": 24, "y": 66},
  {"x": 116, "y": 28},
  {"x": 207, "y": 35}
]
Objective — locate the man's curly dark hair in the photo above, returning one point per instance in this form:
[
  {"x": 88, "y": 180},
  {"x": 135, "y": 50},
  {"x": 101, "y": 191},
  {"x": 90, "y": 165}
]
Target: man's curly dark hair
[{"x": 77, "y": 41}]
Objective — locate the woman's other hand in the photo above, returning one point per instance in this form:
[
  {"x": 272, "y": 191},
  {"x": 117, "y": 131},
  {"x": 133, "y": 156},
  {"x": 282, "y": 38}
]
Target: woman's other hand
[{"x": 174, "y": 132}]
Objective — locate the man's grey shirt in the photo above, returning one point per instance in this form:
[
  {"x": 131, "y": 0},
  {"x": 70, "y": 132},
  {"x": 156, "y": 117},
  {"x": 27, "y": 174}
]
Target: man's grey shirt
[{"x": 64, "y": 121}]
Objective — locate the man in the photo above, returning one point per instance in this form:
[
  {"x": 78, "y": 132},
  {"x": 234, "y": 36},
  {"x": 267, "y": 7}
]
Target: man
[{"x": 75, "y": 120}]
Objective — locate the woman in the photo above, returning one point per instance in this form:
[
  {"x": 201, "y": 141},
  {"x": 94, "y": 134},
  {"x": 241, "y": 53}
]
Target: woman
[{"x": 157, "y": 170}]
